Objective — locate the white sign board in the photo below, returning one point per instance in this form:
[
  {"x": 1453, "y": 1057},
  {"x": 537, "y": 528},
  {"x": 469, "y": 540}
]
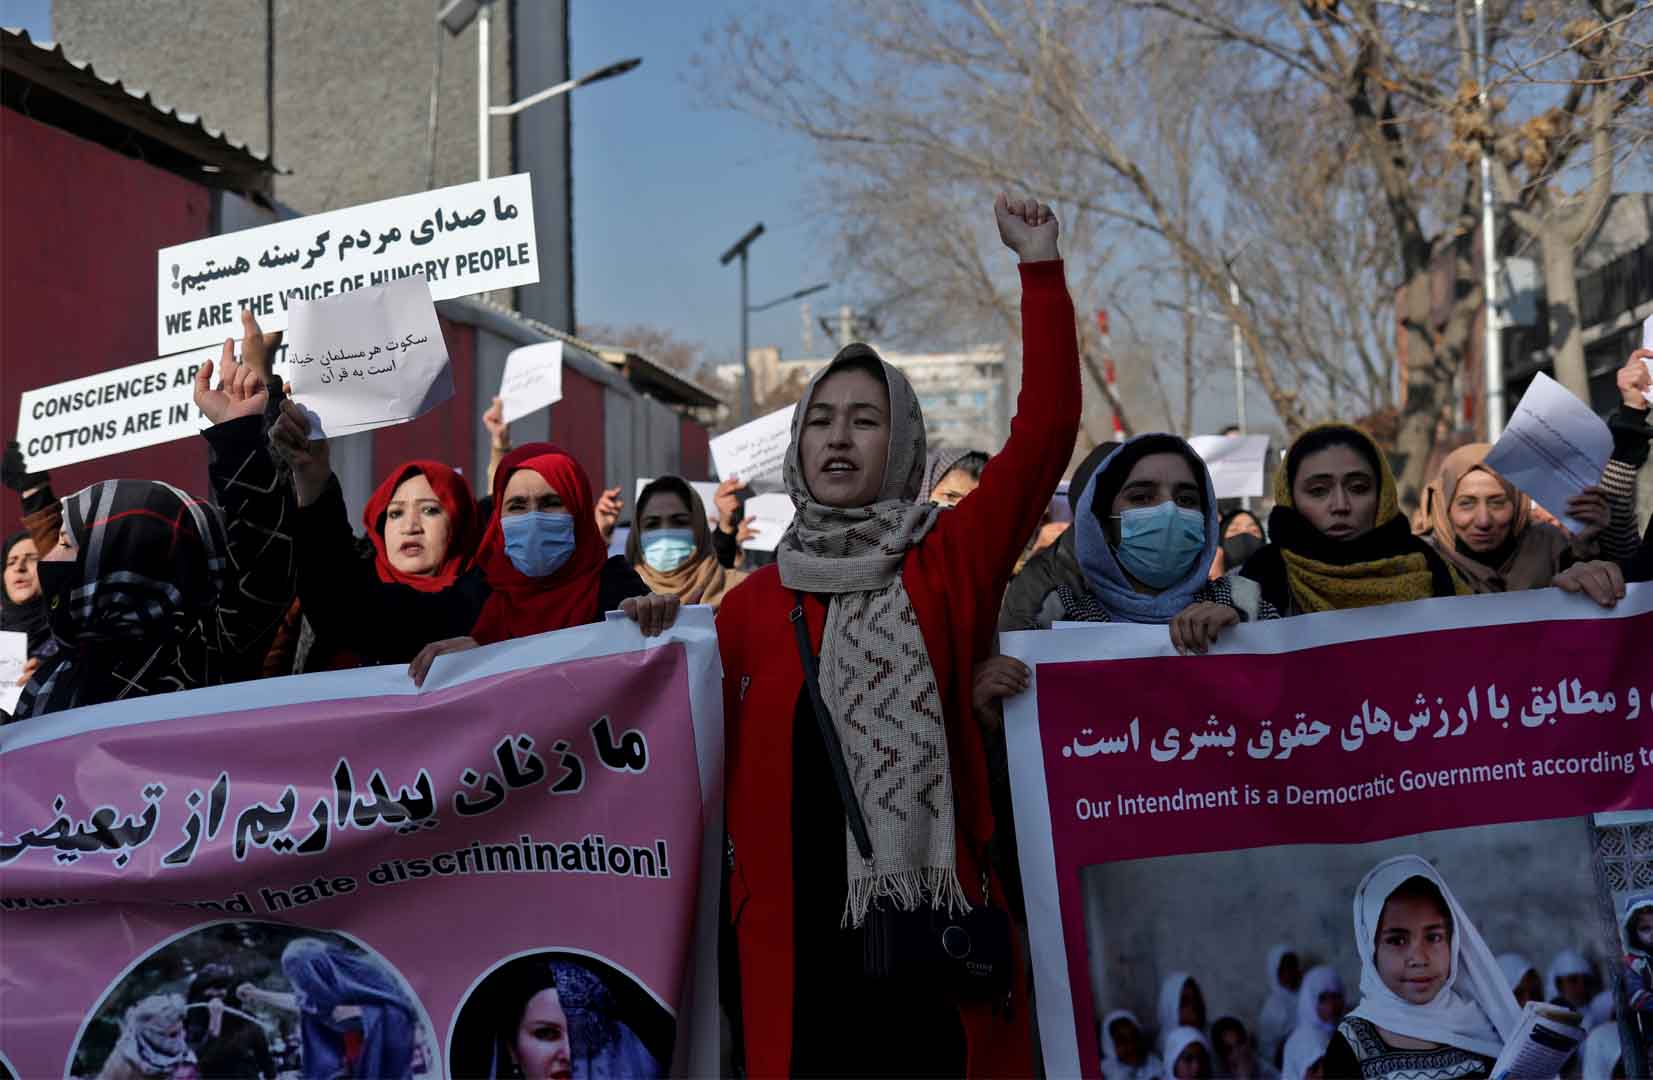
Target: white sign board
[
  {"x": 368, "y": 359},
  {"x": 14, "y": 653},
  {"x": 464, "y": 239},
  {"x": 1237, "y": 463},
  {"x": 532, "y": 380},
  {"x": 754, "y": 451},
  {"x": 1553, "y": 447},
  {"x": 770, "y": 516},
  {"x": 111, "y": 412},
  {"x": 705, "y": 489},
  {"x": 1647, "y": 342}
]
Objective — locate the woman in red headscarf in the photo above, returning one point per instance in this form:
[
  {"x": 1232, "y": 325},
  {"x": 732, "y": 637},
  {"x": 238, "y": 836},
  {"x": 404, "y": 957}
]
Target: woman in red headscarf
[
  {"x": 545, "y": 560},
  {"x": 381, "y": 604}
]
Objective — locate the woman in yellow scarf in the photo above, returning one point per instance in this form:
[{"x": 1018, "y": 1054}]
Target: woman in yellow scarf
[
  {"x": 1337, "y": 536},
  {"x": 671, "y": 545}
]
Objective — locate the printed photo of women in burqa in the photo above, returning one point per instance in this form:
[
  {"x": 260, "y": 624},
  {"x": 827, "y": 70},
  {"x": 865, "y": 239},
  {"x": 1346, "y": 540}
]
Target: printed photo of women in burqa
[
  {"x": 560, "y": 1015},
  {"x": 256, "y": 999}
]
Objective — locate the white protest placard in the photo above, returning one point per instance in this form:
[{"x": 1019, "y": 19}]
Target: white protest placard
[
  {"x": 465, "y": 239},
  {"x": 754, "y": 451},
  {"x": 1237, "y": 463},
  {"x": 1647, "y": 341},
  {"x": 14, "y": 653},
  {"x": 368, "y": 359},
  {"x": 704, "y": 488},
  {"x": 110, "y": 412},
  {"x": 532, "y": 380},
  {"x": 770, "y": 516},
  {"x": 1553, "y": 447}
]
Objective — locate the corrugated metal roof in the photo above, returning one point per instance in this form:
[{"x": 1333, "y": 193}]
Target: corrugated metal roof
[{"x": 46, "y": 64}]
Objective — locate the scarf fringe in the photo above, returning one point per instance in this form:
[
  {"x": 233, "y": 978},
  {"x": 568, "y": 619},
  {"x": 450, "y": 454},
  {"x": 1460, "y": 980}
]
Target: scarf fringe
[{"x": 906, "y": 890}]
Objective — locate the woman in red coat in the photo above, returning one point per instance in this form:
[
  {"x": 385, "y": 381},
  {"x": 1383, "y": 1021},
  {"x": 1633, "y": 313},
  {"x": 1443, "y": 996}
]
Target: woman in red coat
[{"x": 899, "y": 600}]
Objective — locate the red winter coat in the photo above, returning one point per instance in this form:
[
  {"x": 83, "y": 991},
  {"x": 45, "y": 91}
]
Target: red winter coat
[{"x": 955, "y": 577}]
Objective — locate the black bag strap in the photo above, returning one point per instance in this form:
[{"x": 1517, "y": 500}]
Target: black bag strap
[{"x": 829, "y": 735}]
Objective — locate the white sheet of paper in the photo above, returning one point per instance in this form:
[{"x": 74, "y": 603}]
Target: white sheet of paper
[
  {"x": 1553, "y": 447},
  {"x": 368, "y": 359},
  {"x": 704, "y": 488},
  {"x": 755, "y": 451},
  {"x": 14, "y": 653},
  {"x": 1647, "y": 341},
  {"x": 465, "y": 239},
  {"x": 771, "y": 515},
  {"x": 1237, "y": 463},
  {"x": 532, "y": 380}
]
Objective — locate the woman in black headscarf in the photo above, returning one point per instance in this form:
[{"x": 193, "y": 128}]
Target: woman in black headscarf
[
  {"x": 21, "y": 608},
  {"x": 151, "y": 590}
]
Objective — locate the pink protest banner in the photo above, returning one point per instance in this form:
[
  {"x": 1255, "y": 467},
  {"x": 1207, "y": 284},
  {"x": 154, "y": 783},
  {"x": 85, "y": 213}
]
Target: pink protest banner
[
  {"x": 512, "y": 871},
  {"x": 1178, "y": 816}
]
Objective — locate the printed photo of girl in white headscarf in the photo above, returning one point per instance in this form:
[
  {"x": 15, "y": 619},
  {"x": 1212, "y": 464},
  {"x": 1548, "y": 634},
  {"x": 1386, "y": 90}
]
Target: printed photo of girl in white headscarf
[{"x": 1433, "y": 999}]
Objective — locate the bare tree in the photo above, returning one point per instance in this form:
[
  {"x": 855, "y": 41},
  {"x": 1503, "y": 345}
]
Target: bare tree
[
  {"x": 652, "y": 342},
  {"x": 1606, "y": 89}
]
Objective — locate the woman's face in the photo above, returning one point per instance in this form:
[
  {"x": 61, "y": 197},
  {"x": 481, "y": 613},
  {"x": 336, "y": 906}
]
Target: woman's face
[
  {"x": 1336, "y": 492},
  {"x": 1158, "y": 478},
  {"x": 1191, "y": 1006},
  {"x": 22, "y": 582},
  {"x": 845, "y": 443},
  {"x": 541, "y": 1047},
  {"x": 1575, "y": 989},
  {"x": 1192, "y": 1064},
  {"x": 64, "y": 550},
  {"x": 951, "y": 489},
  {"x": 1290, "y": 972},
  {"x": 1127, "y": 1042},
  {"x": 1414, "y": 948},
  {"x": 417, "y": 528},
  {"x": 528, "y": 492},
  {"x": 1481, "y": 512},
  {"x": 1329, "y": 1006},
  {"x": 665, "y": 510},
  {"x": 1530, "y": 988},
  {"x": 1642, "y": 927},
  {"x": 1243, "y": 525}
]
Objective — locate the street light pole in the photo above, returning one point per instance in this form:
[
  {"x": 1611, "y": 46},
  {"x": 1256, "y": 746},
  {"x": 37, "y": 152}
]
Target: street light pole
[
  {"x": 1493, "y": 353},
  {"x": 484, "y": 19},
  {"x": 739, "y": 250},
  {"x": 1239, "y": 354}
]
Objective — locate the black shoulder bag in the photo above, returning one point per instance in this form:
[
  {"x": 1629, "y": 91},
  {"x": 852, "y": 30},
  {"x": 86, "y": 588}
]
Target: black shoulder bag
[{"x": 967, "y": 955}]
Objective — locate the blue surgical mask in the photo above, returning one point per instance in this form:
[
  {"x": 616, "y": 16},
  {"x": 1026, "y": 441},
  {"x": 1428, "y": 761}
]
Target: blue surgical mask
[
  {"x": 538, "y": 543},
  {"x": 664, "y": 550},
  {"x": 1158, "y": 544}
]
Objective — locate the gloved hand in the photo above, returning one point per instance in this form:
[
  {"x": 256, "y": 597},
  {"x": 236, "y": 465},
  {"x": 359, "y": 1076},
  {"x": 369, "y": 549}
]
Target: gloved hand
[{"x": 16, "y": 475}]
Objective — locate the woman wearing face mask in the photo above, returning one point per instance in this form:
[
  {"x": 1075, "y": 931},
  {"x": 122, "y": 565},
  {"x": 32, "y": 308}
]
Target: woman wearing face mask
[
  {"x": 1242, "y": 537},
  {"x": 151, "y": 590},
  {"x": 1145, "y": 539},
  {"x": 419, "y": 582},
  {"x": 670, "y": 546},
  {"x": 546, "y": 562},
  {"x": 897, "y": 599},
  {"x": 1482, "y": 525},
  {"x": 1337, "y": 536}
]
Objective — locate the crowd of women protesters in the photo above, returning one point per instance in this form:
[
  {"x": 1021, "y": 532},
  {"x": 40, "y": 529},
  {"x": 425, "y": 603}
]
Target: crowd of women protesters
[{"x": 901, "y": 565}]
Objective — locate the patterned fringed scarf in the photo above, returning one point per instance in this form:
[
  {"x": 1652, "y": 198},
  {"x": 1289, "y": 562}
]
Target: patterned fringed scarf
[{"x": 876, "y": 676}]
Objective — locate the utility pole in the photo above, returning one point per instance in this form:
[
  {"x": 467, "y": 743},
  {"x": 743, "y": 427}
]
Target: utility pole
[
  {"x": 1493, "y": 347},
  {"x": 739, "y": 250}
]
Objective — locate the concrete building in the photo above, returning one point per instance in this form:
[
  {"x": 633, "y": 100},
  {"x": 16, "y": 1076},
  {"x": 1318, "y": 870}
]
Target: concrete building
[
  {"x": 98, "y": 176},
  {"x": 963, "y": 393},
  {"x": 359, "y": 101}
]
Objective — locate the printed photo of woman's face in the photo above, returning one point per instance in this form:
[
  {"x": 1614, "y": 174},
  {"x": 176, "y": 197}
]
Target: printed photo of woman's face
[
  {"x": 541, "y": 1048},
  {"x": 1414, "y": 948}
]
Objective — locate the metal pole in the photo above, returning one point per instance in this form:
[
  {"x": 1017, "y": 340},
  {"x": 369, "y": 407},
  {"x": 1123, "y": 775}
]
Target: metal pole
[
  {"x": 1239, "y": 354},
  {"x": 482, "y": 79},
  {"x": 746, "y": 396},
  {"x": 1493, "y": 348}
]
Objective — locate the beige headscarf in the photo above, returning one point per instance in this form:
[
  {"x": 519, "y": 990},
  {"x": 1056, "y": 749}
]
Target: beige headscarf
[
  {"x": 876, "y": 676},
  {"x": 701, "y": 580},
  {"x": 1533, "y": 559}
]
